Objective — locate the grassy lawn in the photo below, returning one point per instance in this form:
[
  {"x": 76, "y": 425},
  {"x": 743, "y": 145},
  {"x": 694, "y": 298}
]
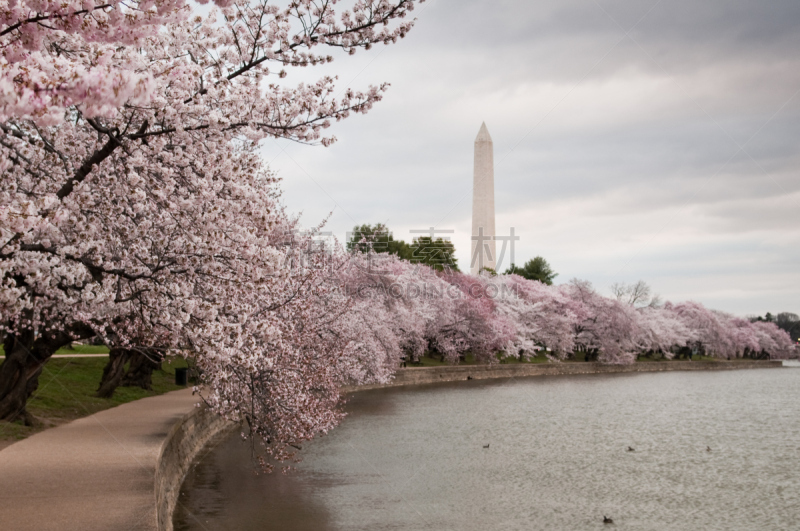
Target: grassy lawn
[
  {"x": 428, "y": 361},
  {"x": 694, "y": 358},
  {"x": 66, "y": 392},
  {"x": 83, "y": 349},
  {"x": 541, "y": 358},
  {"x": 75, "y": 349}
]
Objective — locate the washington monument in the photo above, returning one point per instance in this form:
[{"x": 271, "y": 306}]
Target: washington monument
[{"x": 483, "y": 244}]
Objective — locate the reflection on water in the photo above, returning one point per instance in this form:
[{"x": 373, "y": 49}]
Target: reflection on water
[{"x": 413, "y": 459}]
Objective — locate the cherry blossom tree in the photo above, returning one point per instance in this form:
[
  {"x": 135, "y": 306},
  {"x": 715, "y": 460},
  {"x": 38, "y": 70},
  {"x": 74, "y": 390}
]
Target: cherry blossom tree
[
  {"x": 608, "y": 327},
  {"x": 489, "y": 315},
  {"x": 292, "y": 348},
  {"x": 723, "y": 335},
  {"x": 543, "y": 316},
  {"x": 139, "y": 215},
  {"x": 418, "y": 308},
  {"x": 772, "y": 341},
  {"x": 470, "y": 323},
  {"x": 384, "y": 321},
  {"x": 660, "y": 330},
  {"x": 710, "y": 333}
]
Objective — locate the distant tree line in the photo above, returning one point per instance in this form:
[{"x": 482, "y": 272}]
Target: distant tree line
[
  {"x": 437, "y": 253},
  {"x": 790, "y": 322}
]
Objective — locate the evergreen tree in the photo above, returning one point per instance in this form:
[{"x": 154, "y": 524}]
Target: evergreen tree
[
  {"x": 437, "y": 253},
  {"x": 534, "y": 269}
]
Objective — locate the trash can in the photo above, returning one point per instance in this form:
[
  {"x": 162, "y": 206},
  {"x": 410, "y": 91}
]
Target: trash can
[{"x": 182, "y": 376}]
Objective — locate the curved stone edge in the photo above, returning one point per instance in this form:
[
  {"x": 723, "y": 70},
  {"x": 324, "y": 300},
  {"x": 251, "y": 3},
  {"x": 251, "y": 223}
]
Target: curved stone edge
[
  {"x": 431, "y": 375},
  {"x": 185, "y": 440}
]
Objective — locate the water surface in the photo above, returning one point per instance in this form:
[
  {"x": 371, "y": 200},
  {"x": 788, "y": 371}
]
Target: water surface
[{"x": 414, "y": 459}]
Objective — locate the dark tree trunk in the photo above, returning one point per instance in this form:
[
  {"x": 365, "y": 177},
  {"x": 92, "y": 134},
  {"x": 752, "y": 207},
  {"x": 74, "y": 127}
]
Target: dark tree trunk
[
  {"x": 113, "y": 372},
  {"x": 684, "y": 353},
  {"x": 19, "y": 377},
  {"x": 591, "y": 354},
  {"x": 138, "y": 374},
  {"x": 19, "y": 373}
]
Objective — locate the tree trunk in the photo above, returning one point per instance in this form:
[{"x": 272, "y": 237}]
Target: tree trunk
[
  {"x": 19, "y": 373},
  {"x": 19, "y": 377},
  {"x": 140, "y": 373},
  {"x": 113, "y": 372}
]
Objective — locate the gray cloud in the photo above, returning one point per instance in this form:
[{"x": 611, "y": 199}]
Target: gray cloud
[{"x": 670, "y": 155}]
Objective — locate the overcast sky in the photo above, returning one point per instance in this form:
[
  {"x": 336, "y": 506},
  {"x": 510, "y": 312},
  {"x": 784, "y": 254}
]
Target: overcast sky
[{"x": 633, "y": 140}]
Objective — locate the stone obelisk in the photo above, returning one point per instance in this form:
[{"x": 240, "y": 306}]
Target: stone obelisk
[{"x": 483, "y": 244}]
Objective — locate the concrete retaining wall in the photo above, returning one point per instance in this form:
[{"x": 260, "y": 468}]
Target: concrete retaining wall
[
  {"x": 429, "y": 375},
  {"x": 185, "y": 440}
]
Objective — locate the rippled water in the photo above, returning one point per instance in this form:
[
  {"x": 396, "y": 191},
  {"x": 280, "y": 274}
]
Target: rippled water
[{"x": 413, "y": 458}]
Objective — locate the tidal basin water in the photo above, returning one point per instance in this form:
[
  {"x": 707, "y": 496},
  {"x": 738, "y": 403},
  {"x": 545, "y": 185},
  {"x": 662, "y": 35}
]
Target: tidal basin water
[{"x": 414, "y": 459}]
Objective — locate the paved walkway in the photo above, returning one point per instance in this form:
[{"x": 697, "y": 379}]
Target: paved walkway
[{"x": 94, "y": 473}]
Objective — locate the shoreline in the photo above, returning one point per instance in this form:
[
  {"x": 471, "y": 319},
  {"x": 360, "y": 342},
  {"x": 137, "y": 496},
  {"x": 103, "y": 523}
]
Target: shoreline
[
  {"x": 555, "y": 434},
  {"x": 453, "y": 373}
]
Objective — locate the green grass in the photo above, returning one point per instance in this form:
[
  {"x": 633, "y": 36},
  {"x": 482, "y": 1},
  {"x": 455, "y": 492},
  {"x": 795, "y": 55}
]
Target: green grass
[
  {"x": 83, "y": 349},
  {"x": 541, "y": 358},
  {"x": 429, "y": 361},
  {"x": 66, "y": 392},
  {"x": 433, "y": 361},
  {"x": 74, "y": 349},
  {"x": 644, "y": 359}
]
